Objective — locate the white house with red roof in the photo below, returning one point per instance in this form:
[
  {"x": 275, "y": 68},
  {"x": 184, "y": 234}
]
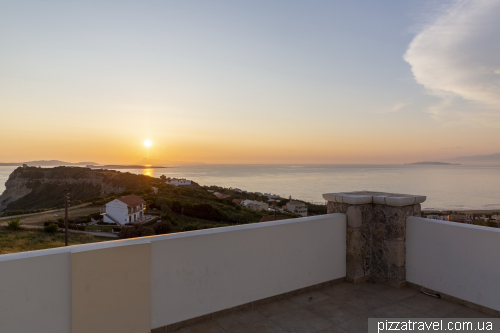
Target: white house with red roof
[{"x": 127, "y": 209}]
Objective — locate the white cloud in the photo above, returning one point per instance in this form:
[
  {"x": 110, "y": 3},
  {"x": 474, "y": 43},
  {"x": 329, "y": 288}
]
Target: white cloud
[
  {"x": 395, "y": 108},
  {"x": 457, "y": 57}
]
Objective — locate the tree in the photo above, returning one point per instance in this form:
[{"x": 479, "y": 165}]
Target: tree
[
  {"x": 14, "y": 224},
  {"x": 128, "y": 232},
  {"x": 177, "y": 206},
  {"x": 145, "y": 231},
  {"x": 51, "y": 228},
  {"x": 162, "y": 228}
]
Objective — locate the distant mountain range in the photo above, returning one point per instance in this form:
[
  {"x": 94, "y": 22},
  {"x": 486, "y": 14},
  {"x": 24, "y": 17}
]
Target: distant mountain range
[
  {"x": 432, "y": 163},
  {"x": 145, "y": 161},
  {"x": 477, "y": 159},
  {"x": 47, "y": 163}
]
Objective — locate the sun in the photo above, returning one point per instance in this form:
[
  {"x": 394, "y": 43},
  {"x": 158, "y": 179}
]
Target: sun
[{"x": 147, "y": 143}]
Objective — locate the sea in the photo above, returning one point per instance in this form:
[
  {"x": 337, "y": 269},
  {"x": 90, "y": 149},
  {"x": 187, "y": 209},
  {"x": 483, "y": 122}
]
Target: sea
[{"x": 447, "y": 187}]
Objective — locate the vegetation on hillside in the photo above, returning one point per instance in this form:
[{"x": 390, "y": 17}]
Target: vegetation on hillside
[
  {"x": 48, "y": 185},
  {"x": 177, "y": 208},
  {"x": 25, "y": 239}
]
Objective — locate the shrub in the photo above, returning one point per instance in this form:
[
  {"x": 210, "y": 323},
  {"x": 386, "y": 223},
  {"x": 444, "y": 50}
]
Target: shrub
[
  {"x": 51, "y": 227},
  {"x": 96, "y": 216},
  {"x": 136, "y": 230},
  {"x": 492, "y": 224},
  {"x": 14, "y": 224},
  {"x": 166, "y": 217},
  {"x": 162, "y": 228},
  {"x": 82, "y": 219},
  {"x": 177, "y": 206},
  {"x": 127, "y": 232},
  {"x": 145, "y": 231},
  {"x": 201, "y": 210}
]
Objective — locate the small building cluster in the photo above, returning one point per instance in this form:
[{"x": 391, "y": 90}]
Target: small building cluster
[
  {"x": 255, "y": 205},
  {"x": 293, "y": 206},
  {"x": 178, "y": 182},
  {"x": 465, "y": 218}
]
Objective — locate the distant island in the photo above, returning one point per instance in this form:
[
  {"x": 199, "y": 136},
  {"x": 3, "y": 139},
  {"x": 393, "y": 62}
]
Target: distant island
[
  {"x": 431, "y": 163},
  {"x": 47, "y": 163},
  {"x": 92, "y": 165},
  {"x": 492, "y": 159}
]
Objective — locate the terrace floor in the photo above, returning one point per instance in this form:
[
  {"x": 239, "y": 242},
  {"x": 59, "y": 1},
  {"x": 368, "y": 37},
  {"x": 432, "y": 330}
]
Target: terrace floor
[{"x": 341, "y": 308}]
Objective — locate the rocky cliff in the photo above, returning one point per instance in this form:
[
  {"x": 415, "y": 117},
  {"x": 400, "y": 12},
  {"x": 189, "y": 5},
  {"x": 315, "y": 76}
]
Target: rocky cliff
[{"x": 32, "y": 187}]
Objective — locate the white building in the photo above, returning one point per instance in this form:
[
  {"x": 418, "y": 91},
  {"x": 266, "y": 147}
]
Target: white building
[
  {"x": 179, "y": 182},
  {"x": 255, "y": 205},
  {"x": 297, "y": 207},
  {"x": 437, "y": 217},
  {"x": 127, "y": 209},
  {"x": 271, "y": 196}
]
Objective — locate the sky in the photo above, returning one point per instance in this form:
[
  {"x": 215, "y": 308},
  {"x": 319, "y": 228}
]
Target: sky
[{"x": 254, "y": 82}]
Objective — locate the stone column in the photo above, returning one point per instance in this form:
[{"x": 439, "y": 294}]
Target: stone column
[{"x": 376, "y": 233}]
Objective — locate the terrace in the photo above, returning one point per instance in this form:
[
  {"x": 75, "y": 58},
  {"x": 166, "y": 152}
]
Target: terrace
[
  {"x": 368, "y": 257},
  {"x": 340, "y": 308}
]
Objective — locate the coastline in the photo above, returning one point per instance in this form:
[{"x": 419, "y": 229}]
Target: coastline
[
  {"x": 447, "y": 188},
  {"x": 464, "y": 211}
]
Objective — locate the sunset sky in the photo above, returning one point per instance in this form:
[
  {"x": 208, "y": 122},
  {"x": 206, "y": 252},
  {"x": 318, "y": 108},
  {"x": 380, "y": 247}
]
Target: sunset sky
[{"x": 249, "y": 81}]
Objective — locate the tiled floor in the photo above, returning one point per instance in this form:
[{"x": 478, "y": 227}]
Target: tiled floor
[{"x": 342, "y": 308}]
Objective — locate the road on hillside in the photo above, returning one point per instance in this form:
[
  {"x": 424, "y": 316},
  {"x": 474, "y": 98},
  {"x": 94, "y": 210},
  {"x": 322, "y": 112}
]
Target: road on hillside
[{"x": 41, "y": 217}]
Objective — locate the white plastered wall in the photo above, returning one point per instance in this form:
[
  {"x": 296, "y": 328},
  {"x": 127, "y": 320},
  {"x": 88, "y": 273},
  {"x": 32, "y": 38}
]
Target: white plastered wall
[
  {"x": 118, "y": 210},
  {"x": 201, "y": 272},
  {"x": 35, "y": 292},
  {"x": 457, "y": 259}
]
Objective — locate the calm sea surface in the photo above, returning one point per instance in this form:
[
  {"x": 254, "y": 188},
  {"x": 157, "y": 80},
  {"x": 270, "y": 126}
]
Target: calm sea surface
[{"x": 446, "y": 187}]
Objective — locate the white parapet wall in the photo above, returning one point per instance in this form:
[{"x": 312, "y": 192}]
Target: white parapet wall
[
  {"x": 133, "y": 286},
  {"x": 457, "y": 259},
  {"x": 193, "y": 274},
  {"x": 35, "y": 292}
]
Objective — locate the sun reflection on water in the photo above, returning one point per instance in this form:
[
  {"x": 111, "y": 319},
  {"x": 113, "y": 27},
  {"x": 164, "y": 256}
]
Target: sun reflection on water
[{"x": 148, "y": 172}]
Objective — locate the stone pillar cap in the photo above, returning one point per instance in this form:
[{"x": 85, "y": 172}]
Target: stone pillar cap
[{"x": 382, "y": 198}]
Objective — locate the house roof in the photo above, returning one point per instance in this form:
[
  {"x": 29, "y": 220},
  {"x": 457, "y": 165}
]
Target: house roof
[
  {"x": 238, "y": 201},
  {"x": 221, "y": 196},
  {"x": 132, "y": 200},
  {"x": 268, "y": 218}
]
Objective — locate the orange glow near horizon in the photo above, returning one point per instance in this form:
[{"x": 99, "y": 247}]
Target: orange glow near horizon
[{"x": 210, "y": 142}]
